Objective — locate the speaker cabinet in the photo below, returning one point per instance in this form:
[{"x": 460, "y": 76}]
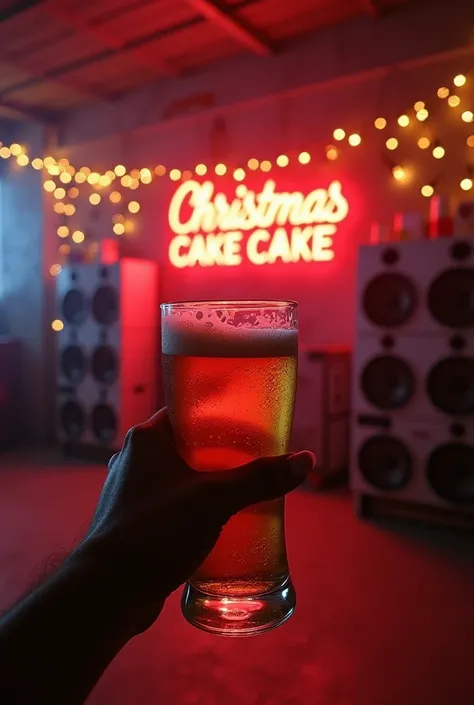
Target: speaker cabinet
[
  {"x": 412, "y": 431},
  {"x": 424, "y": 287},
  {"x": 321, "y": 418},
  {"x": 416, "y": 462},
  {"x": 107, "y": 352}
]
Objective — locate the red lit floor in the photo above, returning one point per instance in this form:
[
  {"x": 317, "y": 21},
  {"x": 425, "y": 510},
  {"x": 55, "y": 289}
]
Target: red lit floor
[{"x": 384, "y": 616}]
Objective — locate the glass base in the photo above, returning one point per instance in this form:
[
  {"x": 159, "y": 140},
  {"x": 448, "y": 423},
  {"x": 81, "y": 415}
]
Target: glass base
[{"x": 238, "y": 616}]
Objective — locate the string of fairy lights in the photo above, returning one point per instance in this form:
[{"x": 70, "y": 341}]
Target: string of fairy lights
[{"x": 65, "y": 182}]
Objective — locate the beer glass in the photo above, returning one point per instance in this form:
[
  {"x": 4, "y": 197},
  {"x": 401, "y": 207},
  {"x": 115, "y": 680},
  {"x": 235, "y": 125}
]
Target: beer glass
[{"x": 230, "y": 379}]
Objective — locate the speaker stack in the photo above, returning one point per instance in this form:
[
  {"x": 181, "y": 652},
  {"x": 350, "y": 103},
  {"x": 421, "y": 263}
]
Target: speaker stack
[
  {"x": 412, "y": 440},
  {"x": 107, "y": 353}
]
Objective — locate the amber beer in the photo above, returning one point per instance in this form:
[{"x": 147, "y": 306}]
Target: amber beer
[{"x": 230, "y": 378}]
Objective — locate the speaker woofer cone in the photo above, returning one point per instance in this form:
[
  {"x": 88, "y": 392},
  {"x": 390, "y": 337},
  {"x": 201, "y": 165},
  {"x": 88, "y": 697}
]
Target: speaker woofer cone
[
  {"x": 451, "y": 298},
  {"x": 388, "y": 382},
  {"x": 385, "y": 463},
  {"x": 74, "y": 307},
  {"x": 389, "y": 300},
  {"x": 105, "y": 305},
  {"x": 72, "y": 419},
  {"x": 73, "y": 363},
  {"x": 104, "y": 364},
  {"x": 104, "y": 423},
  {"x": 450, "y": 385},
  {"x": 450, "y": 472}
]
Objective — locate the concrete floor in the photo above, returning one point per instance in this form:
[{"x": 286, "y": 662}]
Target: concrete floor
[{"x": 385, "y": 614}]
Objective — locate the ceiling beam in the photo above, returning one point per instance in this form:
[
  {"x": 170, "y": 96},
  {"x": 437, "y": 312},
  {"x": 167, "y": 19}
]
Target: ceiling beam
[
  {"x": 28, "y": 112},
  {"x": 141, "y": 55},
  {"x": 37, "y": 76},
  {"x": 17, "y": 8},
  {"x": 371, "y": 7},
  {"x": 225, "y": 18},
  {"x": 58, "y": 72}
]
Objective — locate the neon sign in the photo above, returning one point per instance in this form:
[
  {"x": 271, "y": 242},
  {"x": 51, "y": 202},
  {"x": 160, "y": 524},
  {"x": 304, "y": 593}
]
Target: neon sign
[{"x": 263, "y": 227}]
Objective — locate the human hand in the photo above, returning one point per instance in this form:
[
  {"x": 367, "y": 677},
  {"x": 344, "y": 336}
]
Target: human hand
[{"x": 157, "y": 519}]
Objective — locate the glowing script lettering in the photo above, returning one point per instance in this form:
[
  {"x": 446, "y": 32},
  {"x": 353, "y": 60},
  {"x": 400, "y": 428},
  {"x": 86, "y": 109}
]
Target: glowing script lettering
[{"x": 209, "y": 229}]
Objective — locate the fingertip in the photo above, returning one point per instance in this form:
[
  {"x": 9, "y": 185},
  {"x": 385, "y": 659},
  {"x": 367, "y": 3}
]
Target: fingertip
[
  {"x": 301, "y": 463},
  {"x": 112, "y": 460},
  {"x": 157, "y": 418}
]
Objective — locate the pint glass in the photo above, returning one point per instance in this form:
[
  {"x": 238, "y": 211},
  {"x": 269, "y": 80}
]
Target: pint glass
[{"x": 230, "y": 379}]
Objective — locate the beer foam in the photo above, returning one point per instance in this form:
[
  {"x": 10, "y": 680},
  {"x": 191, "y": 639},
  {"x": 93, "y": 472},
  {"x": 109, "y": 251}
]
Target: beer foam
[{"x": 210, "y": 337}]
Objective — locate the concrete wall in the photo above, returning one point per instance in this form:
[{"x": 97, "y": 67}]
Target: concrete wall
[
  {"x": 343, "y": 76},
  {"x": 23, "y": 282},
  {"x": 6, "y": 128}
]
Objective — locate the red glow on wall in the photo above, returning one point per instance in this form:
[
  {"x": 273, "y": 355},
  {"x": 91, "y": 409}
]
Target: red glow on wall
[
  {"x": 110, "y": 251},
  {"x": 262, "y": 226}
]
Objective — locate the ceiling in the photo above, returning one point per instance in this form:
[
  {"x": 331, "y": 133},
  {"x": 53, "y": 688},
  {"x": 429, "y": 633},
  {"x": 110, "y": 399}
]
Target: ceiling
[{"x": 58, "y": 54}]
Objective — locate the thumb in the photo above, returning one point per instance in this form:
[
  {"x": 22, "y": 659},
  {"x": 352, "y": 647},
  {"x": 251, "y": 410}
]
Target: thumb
[{"x": 264, "y": 479}]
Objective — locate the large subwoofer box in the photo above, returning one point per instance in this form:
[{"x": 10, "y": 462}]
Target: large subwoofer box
[
  {"x": 107, "y": 352},
  {"x": 412, "y": 431}
]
